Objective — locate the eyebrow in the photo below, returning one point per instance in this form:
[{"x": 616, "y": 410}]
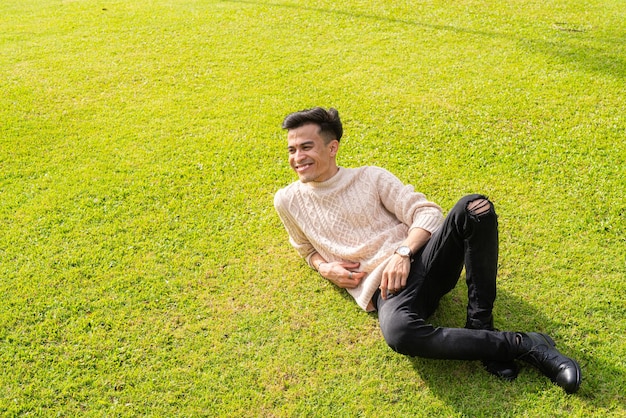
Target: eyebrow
[{"x": 301, "y": 144}]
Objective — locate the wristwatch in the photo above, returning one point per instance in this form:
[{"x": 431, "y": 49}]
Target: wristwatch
[{"x": 403, "y": 251}]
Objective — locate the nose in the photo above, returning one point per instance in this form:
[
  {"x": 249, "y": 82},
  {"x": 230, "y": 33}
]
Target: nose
[{"x": 298, "y": 155}]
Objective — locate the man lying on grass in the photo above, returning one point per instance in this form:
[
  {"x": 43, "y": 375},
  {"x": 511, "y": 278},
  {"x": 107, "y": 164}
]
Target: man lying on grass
[{"x": 394, "y": 252}]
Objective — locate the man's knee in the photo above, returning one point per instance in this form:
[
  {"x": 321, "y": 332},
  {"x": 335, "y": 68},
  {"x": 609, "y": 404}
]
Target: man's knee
[
  {"x": 479, "y": 206},
  {"x": 476, "y": 206},
  {"x": 408, "y": 337},
  {"x": 396, "y": 337}
]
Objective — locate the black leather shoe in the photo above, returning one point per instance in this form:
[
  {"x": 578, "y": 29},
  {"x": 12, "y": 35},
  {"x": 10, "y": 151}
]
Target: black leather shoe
[
  {"x": 538, "y": 350},
  {"x": 506, "y": 370}
]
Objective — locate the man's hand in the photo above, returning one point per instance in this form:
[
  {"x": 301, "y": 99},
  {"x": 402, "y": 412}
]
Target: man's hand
[
  {"x": 397, "y": 270},
  {"x": 343, "y": 274},
  {"x": 395, "y": 275}
]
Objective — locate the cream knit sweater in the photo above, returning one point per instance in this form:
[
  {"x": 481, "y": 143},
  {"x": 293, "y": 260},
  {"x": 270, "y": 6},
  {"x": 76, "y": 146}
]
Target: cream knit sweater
[{"x": 359, "y": 215}]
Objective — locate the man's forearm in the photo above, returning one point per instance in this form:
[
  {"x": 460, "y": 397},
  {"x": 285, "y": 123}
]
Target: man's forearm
[
  {"x": 416, "y": 239},
  {"x": 315, "y": 260}
]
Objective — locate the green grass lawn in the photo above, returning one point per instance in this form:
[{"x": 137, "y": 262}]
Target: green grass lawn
[{"x": 144, "y": 272}]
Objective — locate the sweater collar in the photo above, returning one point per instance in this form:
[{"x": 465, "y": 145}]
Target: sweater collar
[{"x": 339, "y": 175}]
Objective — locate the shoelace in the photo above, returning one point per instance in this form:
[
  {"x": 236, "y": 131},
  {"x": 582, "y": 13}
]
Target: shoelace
[{"x": 543, "y": 353}]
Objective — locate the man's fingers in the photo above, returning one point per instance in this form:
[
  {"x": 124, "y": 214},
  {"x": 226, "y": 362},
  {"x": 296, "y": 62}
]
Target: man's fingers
[
  {"x": 348, "y": 265},
  {"x": 349, "y": 279},
  {"x": 395, "y": 283},
  {"x": 383, "y": 286}
]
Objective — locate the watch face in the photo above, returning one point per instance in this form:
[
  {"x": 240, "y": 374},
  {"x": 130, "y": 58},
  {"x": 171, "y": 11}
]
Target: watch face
[{"x": 404, "y": 251}]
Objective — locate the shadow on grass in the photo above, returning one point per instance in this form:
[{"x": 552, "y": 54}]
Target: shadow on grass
[
  {"x": 575, "y": 50},
  {"x": 465, "y": 386}
]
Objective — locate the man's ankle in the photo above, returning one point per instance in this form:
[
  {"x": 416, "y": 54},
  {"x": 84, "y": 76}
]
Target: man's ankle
[{"x": 474, "y": 323}]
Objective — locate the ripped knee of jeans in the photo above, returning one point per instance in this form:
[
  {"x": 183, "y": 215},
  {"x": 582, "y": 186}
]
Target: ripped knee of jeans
[{"x": 479, "y": 207}]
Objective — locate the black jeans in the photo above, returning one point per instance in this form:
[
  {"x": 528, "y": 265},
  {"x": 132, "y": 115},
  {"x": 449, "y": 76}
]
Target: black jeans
[{"x": 468, "y": 237}]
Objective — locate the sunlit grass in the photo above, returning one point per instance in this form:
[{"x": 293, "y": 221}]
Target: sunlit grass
[{"x": 144, "y": 271}]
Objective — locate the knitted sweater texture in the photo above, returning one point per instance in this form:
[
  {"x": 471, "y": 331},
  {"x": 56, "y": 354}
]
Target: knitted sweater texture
[{"x": 359, "y": 215}]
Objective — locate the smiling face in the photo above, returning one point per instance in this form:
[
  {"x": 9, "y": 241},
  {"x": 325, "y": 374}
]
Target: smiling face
[{"x": 309, "y": 155}]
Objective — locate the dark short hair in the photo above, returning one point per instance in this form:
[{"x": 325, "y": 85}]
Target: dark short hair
[{"x": 327, "y": 120}]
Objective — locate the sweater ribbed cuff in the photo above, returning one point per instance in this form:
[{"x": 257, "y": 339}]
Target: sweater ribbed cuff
[{"x": 429, "y": 223}]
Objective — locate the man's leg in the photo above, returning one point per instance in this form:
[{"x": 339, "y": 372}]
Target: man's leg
[
  {"x": 469, "y": 236},
  {"x": 407, "y": 332},
  {"x": 435, "y": 272}
]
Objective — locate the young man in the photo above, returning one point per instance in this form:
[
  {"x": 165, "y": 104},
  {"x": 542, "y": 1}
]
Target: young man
[{"x": 393, "y": 251}]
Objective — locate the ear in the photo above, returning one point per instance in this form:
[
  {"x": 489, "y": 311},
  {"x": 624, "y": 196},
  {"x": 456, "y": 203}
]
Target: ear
[{"x": 334, "y": 147}]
